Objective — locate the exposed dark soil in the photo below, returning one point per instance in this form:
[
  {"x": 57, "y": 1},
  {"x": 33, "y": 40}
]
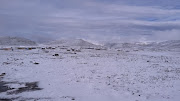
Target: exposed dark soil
[{"x": 27, "y": 87}]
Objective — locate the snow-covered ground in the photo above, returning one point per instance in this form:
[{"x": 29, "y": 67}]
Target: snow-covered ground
[{"x": 89, "y": 75}]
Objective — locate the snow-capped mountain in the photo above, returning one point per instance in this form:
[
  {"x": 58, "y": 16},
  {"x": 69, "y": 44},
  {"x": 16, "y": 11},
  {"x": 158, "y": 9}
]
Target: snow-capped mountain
[
  {"x": 169, "y": 45},
  {"x": 16, "y": 41},
  {"x": 173, "y": 45},
  {"x": 120, "y": 45},
  {"x": 72, "y": 42}
]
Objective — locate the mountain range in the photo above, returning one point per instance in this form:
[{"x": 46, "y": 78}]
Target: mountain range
[{"x": 172, "y": 45}]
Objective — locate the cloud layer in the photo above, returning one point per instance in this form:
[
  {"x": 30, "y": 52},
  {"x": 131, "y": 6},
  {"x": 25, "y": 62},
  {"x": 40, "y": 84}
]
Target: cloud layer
[{"x": 102, "y": 20}]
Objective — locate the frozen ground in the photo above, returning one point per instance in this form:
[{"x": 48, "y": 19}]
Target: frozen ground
[{"x": 89, "y": 75}]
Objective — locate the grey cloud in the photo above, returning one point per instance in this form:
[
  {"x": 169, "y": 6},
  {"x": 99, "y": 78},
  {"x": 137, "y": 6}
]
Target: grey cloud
[
  {"x": 93, "y": 19},
  {"x": 159, "y": 26}
]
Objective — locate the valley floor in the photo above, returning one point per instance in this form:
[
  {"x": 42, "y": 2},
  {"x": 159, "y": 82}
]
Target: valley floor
[{"x": 89, "y": 75}]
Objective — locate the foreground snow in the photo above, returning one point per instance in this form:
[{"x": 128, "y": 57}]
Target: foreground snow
[{"x": 91, "y": 75}]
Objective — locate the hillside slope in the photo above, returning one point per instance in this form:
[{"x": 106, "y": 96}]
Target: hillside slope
[
  {"x": 173, "y": 45},
  {"x": 72, "y": 42},
  {"x": 16, "y": 41}
]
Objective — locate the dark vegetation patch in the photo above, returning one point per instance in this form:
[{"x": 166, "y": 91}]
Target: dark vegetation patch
[
  {"x": 29, "y": 86},
  {"x": 8, "y": 99},
  {"x": 36, "y": 63},
  {"x": 68, "y": 97},
  {"x": 23, "y": 99}
]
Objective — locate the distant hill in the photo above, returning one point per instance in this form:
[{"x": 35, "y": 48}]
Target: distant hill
[
  {"x": 16, "y": 41},
  {"x": 173, "y": 45},
  {"x": 72, "y": 42},
  {"x": 169, "y": 45}
]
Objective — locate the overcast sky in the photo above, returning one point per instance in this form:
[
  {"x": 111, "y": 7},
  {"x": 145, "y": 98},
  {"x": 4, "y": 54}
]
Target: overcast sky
[{"x": 100, "y": 20}]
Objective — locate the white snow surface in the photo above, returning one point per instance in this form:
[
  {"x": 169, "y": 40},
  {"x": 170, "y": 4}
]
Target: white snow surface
[{"x": 93, "y": 75}]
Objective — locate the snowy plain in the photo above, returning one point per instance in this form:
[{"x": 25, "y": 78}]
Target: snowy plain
[{"x": 87, "y": 74}]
